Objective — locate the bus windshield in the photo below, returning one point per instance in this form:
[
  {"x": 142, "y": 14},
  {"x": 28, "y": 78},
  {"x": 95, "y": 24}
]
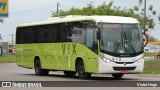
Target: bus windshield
[{"x": 121, "y": 39}]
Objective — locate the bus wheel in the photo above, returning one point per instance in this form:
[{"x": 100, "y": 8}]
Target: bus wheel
[
  {"x": 69, "y": 73},
  {"x": 117, "y": 76},
  {"x": 38, "y": 70},
  {"x": 81, "y": 71}
]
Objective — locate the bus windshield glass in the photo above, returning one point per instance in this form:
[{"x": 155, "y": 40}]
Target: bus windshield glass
[{"x": 120, "y": 39}]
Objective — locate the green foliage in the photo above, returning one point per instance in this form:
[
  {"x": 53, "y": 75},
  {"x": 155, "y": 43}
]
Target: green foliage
[
  {"x": 110, "y": 9},
  {"x": 159, "y": 17},
  {"x": 152, "y": 39},
  {"x": 154, "y": 12},
  {"x": 151, "y": 7},
  {"x": 104, "y": 9},
  {"x": 149, "y": 21},
  {"x": 7, "y": 58},
  {"x": 140, "y": 2},
  {"x": 136, "y": 8},
  {"x": 152, "y": 67},
  {"x": 1, "y": 20},
  {"x": 146, "y": 54}
]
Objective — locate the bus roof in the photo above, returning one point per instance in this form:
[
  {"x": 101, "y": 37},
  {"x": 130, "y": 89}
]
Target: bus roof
[{"x": 71, "y": 18}]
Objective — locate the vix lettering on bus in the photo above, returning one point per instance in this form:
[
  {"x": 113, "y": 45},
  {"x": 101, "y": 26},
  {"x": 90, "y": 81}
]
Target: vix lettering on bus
[{"x": 67, "y": 46}]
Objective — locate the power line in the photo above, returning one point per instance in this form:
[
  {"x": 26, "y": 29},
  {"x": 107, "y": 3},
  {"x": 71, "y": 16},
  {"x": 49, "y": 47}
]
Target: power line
[
  {"x": 32, "y": 10},
  {"x": 57, "y": 11},
  {"x": 64, "y": 7}
]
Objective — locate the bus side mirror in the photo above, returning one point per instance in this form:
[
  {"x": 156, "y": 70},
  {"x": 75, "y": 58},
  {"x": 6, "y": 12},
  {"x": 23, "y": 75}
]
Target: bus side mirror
[{"x": 145, "y": 39}]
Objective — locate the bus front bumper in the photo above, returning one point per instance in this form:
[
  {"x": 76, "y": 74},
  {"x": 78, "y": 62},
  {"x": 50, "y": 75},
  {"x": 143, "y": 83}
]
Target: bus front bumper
[{"x": 125, "y": 68}]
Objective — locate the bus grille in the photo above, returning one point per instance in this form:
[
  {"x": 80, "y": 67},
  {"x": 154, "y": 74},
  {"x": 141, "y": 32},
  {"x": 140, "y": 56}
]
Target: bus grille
[
  {"x": 124, "y": 62},
  {"x": 124, "y": 68}
]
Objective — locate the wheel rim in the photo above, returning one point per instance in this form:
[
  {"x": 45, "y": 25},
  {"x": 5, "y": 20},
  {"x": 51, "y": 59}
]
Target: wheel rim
[
  {"x": 37, "y": 67},
  {"x": 81, "y": 70}
]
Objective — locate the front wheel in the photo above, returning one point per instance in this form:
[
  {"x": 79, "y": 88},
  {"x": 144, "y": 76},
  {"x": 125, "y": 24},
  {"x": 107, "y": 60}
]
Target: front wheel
[
  {"x": 38, "y": 70},
  {"x": 117, "y": 76},
  {"x": 81, "y": 71}
]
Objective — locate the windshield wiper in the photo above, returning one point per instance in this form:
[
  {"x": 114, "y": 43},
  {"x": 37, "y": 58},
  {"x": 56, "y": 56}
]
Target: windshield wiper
[
  {"x": 119, "y": 43},
  {"x": 126, "y": 40}
]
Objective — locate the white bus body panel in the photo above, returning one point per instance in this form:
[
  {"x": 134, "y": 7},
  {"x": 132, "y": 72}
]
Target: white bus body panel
[{"x": 107, "y": 67}]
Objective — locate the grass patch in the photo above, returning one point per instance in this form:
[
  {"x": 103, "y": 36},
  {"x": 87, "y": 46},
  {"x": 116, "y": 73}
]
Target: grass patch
[
  {"x": 7, "y": 58},
  {"x": 152, "y": 67},
  {"x": 149, "y": 54}
]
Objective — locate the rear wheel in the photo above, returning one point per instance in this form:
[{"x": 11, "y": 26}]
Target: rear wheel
[
  {"x": 117, "y": 76},
  {"x": 38, "y": 70},
  {"x": 69, "y": 73},
  {"x": 81, "y": 71}
]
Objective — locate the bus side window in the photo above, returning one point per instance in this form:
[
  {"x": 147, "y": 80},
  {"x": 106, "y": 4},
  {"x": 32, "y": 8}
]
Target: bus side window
[
  {"x": 62, "y": 33},
  {"x": 51, "y": 32},
  {"x": 40, "y": 34},
  {"x": 19, "y": 37},
  {"x": 95, "y": 42},
  {"x": 31, "y": 35},
  {"x": 77, "y": 33},
  {"x": 89, "y": 41}
]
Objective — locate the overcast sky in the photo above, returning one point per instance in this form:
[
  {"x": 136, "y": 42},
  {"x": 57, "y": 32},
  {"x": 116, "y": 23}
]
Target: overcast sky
[{"x": 42, "y": 9}]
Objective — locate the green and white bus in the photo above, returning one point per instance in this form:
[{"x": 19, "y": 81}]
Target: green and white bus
[{"x": 81, "y": 44}]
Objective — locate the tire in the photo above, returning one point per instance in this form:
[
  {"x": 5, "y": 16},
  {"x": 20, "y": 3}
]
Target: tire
[
  {"x": 69, "y": 73},
  {"x": 38, "y": 70},
  {"x": 81, "y": 71},
  {"x": 117, "y": 76}
]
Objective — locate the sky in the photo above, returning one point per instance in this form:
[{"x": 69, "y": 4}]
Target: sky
[{"x": 25, "y": 11}]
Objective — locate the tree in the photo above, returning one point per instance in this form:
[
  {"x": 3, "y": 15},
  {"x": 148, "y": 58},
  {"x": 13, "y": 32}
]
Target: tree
[
  {"x": 149, "y": 20},
  {"x": 110, "y": 9},
  {"x": 159, "y": 17},
  {"x": 136, "y": 8},
  {"x": 1, "y": 20},
  {"x": 151, "y": 38},
  {"x": 104, "y": 9}
]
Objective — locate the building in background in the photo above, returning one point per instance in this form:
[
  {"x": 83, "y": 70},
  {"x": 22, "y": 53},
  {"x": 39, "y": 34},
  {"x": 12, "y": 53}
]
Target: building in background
[
  {"x": 7, "y": 47},
  {"x": 10, "y": 47},
  {"x": 152, "y": 47}
]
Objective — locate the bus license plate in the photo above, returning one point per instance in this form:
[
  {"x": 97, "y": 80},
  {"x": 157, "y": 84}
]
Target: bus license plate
[{"x": 124, "y": 71}]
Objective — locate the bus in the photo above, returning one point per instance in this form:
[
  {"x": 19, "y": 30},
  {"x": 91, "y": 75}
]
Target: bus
[{"x": 81, "y": 44}]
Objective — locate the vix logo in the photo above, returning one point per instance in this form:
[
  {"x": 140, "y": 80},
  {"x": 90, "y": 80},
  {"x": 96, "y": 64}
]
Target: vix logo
[
  {"x": 3, "y": 5},
  {"x": 70, "y": 47}
]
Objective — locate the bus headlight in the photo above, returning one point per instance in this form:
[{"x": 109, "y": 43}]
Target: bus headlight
[
  {"x": 104, "y": 59},
  {"x": 140, "y": 60}
]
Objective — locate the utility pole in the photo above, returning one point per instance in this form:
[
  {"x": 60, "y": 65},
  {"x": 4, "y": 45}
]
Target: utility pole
[
  {"x": 1, "y": 40},
  {"x": 12, "y": 37},
  {"x": 144, "y": 20},
  {"x": 57, "y": 8}
]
